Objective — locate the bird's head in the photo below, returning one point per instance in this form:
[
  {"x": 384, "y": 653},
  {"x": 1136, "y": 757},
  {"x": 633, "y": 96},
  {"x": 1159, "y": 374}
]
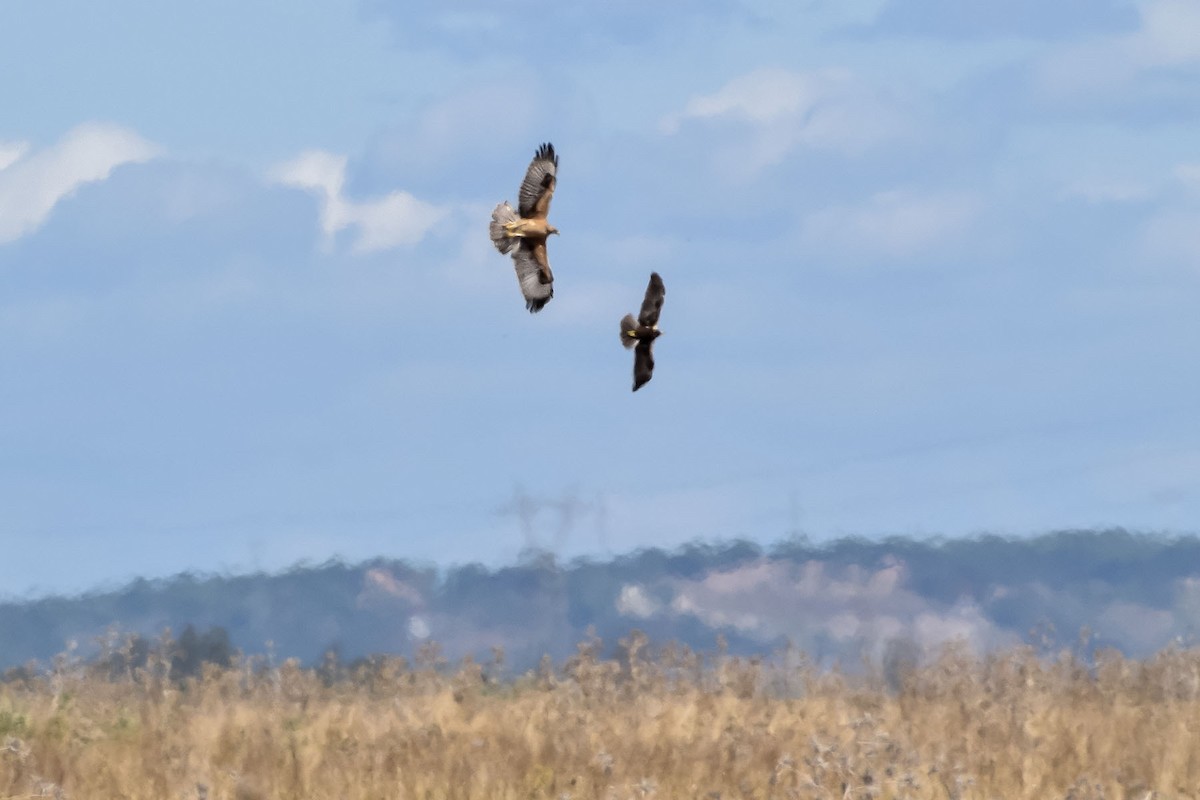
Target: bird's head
[{"x": 550, "y": 229}]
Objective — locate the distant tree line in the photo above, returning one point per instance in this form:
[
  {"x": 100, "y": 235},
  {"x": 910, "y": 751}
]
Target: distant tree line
[{"x": 541, "y": 605}]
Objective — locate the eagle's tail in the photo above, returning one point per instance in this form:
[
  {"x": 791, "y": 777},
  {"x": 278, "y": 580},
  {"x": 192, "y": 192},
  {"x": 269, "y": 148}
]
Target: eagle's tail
[
  {"x": 502, "y": 215},
  {"x": 628, "y": 327}
]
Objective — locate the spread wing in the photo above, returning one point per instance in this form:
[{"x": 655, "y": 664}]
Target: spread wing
[
  {"x": 533, "y": 273},
  {"x": 643, "y": 363},
  {"x": 652, "y": 304},
  {"x": 538, "y": 186}
]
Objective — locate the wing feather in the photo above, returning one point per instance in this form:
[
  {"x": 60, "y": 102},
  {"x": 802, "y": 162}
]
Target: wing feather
[
  {"x": 533, "y": 274},
  {"x": 628, "y": 326},
  {"x": 653, "y": 302},
  {"x": 538, "y": 186},
  {"x": 643, "y": 363}
]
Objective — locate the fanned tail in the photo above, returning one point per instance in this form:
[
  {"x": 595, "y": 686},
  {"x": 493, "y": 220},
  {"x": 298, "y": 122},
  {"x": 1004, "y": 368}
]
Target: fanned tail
[
  {"x": 536, "y": 304},
  {"x": 502, "y": 215},
  {"x": 628, "y": 327}
]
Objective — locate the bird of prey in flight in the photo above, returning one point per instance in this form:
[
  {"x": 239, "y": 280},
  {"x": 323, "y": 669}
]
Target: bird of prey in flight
[
  {"x": 523, "y": 232},
  {"x": 642, "y": 332}
]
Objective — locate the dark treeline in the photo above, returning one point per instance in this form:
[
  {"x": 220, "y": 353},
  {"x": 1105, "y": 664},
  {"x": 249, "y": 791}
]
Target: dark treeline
[{"x": 842, "y": 600}]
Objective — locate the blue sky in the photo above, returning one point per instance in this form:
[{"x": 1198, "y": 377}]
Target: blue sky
[{"x": 931, "y": 268}]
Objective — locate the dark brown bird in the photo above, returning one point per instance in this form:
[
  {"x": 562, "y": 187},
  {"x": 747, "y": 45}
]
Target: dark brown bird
[
  {"x": 640, "y": 333},
  {"x": 524, "y": 232}
]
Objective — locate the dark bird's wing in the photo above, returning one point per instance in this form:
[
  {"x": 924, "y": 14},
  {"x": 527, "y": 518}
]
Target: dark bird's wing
[
  {"x": 538, "y": 187},
  {"x": 652, "y": 304},
  {"x": 643, "y": 363},
  {"x": 533, "y": 273}
]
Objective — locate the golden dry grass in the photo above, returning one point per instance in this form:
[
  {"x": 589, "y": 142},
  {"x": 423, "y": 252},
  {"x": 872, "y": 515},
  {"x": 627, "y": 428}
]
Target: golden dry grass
[{"x": 676, "y": 726}]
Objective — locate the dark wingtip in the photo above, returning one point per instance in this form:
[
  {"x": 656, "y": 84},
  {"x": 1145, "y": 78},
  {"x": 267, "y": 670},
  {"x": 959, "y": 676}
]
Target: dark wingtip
[{"x": 547, "y": 151}]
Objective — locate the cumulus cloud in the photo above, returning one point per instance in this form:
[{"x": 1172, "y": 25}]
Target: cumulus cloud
[
  {"x": 382, "y": 223},
  {"x": 825, "y": 109},
  {"x": 32, "y": 184},
  {"x": 898, "y": 222}
]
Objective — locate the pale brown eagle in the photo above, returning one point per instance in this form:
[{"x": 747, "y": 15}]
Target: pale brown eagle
[
  {"x": 644, "y": 330},
  {"x": 523, "y": 232}
]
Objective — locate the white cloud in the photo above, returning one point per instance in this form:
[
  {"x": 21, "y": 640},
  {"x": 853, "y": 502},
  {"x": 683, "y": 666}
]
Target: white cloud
[
  {"x": 10, "y": 152},
  {"x": 32, "y": 185},
  {"x": 898, "y": 222},
  {"x": 1170, "y": 33},
  {"x": 394, "y": 220},
  {"x": 1168, "y": 37},
  {"x": 825, "y": 109},
  {"x": 765, "y": 95}
]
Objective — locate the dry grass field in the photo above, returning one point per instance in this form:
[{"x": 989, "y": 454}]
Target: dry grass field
[{"x": 673, "y": 725}]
